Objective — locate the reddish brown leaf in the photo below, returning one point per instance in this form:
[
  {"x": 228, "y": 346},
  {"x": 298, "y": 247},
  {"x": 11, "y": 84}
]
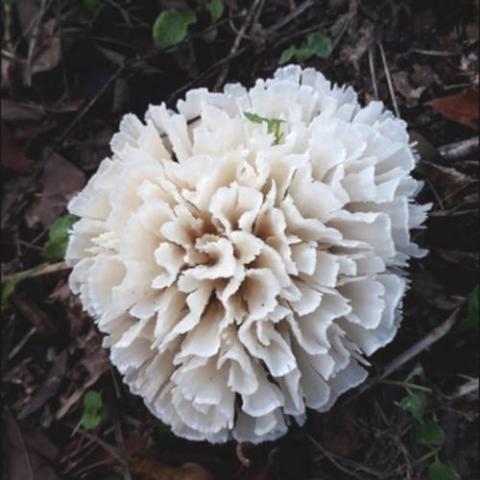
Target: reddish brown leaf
[
  {"x": 13, "y": 157},
  {"x": 149, "y": 469},
  {"x": 461, "y": 107},
  {"x": 61, "y": 180},
  {"x": 29, "y": 453}
]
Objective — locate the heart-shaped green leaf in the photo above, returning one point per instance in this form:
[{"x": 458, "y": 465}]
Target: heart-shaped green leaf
[
  {"x": 171, "y": 27},
  {"x": 429, "y": 433},
  {"x": 440, "y": 471}
]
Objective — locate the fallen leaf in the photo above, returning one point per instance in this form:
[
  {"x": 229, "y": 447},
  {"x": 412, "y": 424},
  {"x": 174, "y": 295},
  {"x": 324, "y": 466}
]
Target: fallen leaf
[
  {"x": 13, "y": 158},
  {"x": 468, "y": 260},
  {"x": 403, "y": 85},
  {"x": 338, "y": 432},
  {"x": 61, "y": 180},
  {"x": 149, "y": 469},
  {"x": 94, "y": 361},
  {"x": 27, "y": 13},
  {"x": 48, "y": 51},
  {"x": 17, "y": 111},
  {"x": 461, "y": 107},
  {"x": 422, "y": 76},
  {"x": 447, "y": 181},
  {"x": 30, "y": 453},
  {"x": 49, "y": 387}
]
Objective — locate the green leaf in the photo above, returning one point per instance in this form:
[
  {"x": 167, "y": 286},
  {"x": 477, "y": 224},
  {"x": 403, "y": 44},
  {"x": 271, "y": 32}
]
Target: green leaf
[
  {"x": 472, "y": 321},
  {"x": 171, "y": 27},
  {"x": 216, "y": 8},
  {"x": 429, "y": 433},
  {"x": 58, "y": 236},
  {"x": 92, "y": 401},
  {"x": 303, "y": 54},
  {"x": 274, "y": 125},
  {"x": 254, "y": 118},
  {"x": 287, "y": 55},
  {"x": 9, "y": 286},
  {"x": 417, "y": 371},
  {"x": 440, "y": 471},
  {"x": 211, "y": 35},
  {"x": 316, "y": 44},
  {"x": 415, "y": 404},
  {"x": 90, "y": 421},
  {"x": 91, "y": 5},
  {"x": 92, "y": 410},
  {"x": 319, "y": 45}
]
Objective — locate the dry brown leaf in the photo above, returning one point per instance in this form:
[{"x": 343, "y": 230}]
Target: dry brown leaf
[
  {"x": 447, "y": 182},
  {"x": 17, "y": 111},
  {"x": 12, "y": 156},
  {"x": 29, "y": 453},
  {"x": 49, "y": 387},
  {"x": 61, "y": 180},
  {"x": 48, "y": 52},
  {"x": 149, "y": 469},
  {"x": 461, "y": 107},
  {"x": 338, "y": 432}
]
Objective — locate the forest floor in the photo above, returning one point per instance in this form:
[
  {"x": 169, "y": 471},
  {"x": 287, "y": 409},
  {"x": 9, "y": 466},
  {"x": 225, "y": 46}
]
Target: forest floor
[{"x": 71, "y": 69}]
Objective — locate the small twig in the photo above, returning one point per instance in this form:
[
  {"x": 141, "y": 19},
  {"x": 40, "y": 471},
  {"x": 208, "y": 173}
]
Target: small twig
[
  {"x": 51, "y": 268},
  {"x": 466, "y": 389},
  {"x": 107, "y": 447},
  {"x": 292, "y": 15},
  {"x": 223, "y": 73},
  {"x": 458, "y": 150},
  {"x": 406, "y": 385},
  {"x": 121, "y": 447},
  {"x": 32, "y": 44},
  {"x": 435, "y": 53},
  {"x": 453, "y": 212},
  {"x": 434, "y": 336},
  {"x": 42, "y": 270},
  {"x": 389, "y": 80},
  {"x": 333, "y": 459},
  {"x": 435, "y": 194},
  {"x": 39, "y": 319},
  {"x": 371, "y": 64},
  {"x": 22, "y": 342},
  {"x": 344, "y": 22},
  {"x": 89, "y": 105},
  {"x": 206, "y": 74}
]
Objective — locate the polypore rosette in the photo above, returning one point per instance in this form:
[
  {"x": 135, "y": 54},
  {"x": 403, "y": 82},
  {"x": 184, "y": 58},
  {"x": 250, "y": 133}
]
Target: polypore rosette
[{"x": 241, "y": 272}]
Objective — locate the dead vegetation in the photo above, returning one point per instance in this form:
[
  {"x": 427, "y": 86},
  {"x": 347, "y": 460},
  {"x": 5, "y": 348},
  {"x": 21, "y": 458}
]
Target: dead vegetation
[{"x": 70, "y": 69}]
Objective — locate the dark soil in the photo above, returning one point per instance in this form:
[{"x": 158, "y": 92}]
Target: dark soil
[{"x": 70, "y": 70}]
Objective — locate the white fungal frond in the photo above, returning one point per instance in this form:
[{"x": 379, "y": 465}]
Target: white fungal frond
[{"x": 239, "y": 271}]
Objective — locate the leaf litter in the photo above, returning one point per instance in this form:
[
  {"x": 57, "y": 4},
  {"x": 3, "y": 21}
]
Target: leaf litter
[{"x": 55, "y": 77}]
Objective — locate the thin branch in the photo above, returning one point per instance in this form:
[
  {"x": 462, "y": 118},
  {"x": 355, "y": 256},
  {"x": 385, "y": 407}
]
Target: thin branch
[
  {"x": 371, "y": 64},
  {"x": 236, "y": 43},
  {"x": 389, "y": 80},
  {"x": 434, "y": 336},
  {"x": 459, "y": 150}
]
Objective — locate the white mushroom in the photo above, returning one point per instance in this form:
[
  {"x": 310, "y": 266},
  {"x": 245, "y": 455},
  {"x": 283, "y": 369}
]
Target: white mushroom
[{"x": 238, "y": 271}]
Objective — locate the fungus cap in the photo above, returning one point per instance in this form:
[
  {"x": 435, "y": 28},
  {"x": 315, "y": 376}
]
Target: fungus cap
[{"x": 244, "y": 254}]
